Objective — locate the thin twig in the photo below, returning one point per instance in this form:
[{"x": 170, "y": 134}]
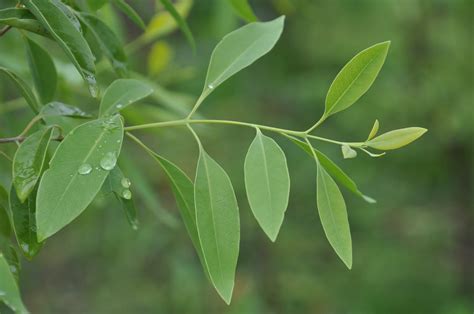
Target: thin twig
[{"x": 4, "y": 30}]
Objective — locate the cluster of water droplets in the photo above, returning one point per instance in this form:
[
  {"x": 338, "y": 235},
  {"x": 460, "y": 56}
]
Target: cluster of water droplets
[
  {"x": 108, "y": 162},
  {"x": 126, "y": 193}
]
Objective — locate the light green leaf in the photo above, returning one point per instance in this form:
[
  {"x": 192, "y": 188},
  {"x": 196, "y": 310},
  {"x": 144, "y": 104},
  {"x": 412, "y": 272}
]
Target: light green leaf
[
  {"x": 118, "y": 184},
  {"x": 42, "y": 69},
  {"x": 24, "y": 88},
  {"x": 333, "y": 214},
  {"x": 12, "y": 258},
  {"x": 333, "y": 169},
  {"x": 108, "y": 42},
  {"x": 179, "y": 21},
  {"x": 218, "y": 223},
  {"x": 396, "y": 139},
  {"x": 348, "y": 152},
  {"x": 375, "y": 129},
  {"x": 77, "y": 171},
  {"x": 24, "y": 224},
  {"x": 95, "y": 5},
  {"x": 61, "y": 27},
  {"x": 10, "y": 294},
  {"x": 355, "y": 78},
  {"x": 240, "y": 49},
  {"x": 121, "y": 94},
  {"x": 58, "y": 109},
  {"x": 130, "y": 12},
  {"x": 267, "y": 182},
  {"x": 243, "y": 9},
  {"x": 28, "y": 162},
  {"x": 22, "y": 19}
]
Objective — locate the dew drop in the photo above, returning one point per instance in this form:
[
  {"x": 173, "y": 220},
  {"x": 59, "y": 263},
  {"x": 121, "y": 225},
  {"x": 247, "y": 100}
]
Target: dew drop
[
  {"x": 84, "y": 169},
  {"x": 126, "y": 194},
  {"x": 125, "y": 182},
  {"x": 109, "y": 161},
  {"x": 210, "y": 86},
  {"x": 119, "y": 106}
]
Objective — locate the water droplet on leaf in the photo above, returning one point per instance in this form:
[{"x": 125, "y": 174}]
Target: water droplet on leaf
[
  {"x": 210, "y": 86},
  {"x": 109, "y": 161},
  {"x": 126, "y": 194},
  {"x": 85, "y": 169},
  {"x": 126, "y": 182}
]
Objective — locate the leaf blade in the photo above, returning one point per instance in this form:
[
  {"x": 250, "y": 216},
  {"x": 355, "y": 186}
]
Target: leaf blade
[
  {"x": 180, "y": 21},
  {"x": 243, "y": 9},
  {"x": 267, "y": 182},
  {"x": 121, "y": 94},
  {"x": 11, "y": 292},
  {"x": 24, "y": 88},
  {"x": 396, "y": 138},
  {"x": 130, "y": 12}
]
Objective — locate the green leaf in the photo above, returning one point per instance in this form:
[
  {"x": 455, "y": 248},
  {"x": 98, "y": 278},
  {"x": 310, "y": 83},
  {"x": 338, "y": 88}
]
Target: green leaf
[
  {"x": 333, "y": 215},
  {"x": 5, "y": 225},
  {"x": 375, "y": 129},
  {"x": 240, "y": 49},
  {"x": 355, "y": 78},
  {"x": 28, "y": 162},
  {"x": 130, "y": 12},
  {"x": 58, "y": 109},
  {"x": 243, "y": 9},
  {"x": 118, "y": 184},
  {"x": 108, "y": 42},
  {"x": 218, "y": 223},
  {"x": 396, "y": 139},
  {"x": 95, "y": 5},
  {"x": 24, "y": 224},
  {"x": 24, "y": 88},
  {"x": 333, "y": 169},
  {"x": 121, "y": 94},
  {"x": 22, "y": 19},
  {"x": 9, "y": 292},
  {"x": 267, "y": 182},
  {"x": 179, "y": 21},
  {"x": 42, "y": 69},
  {"x": 12, "y": 258},
  {"x": 53, "y": 17},
  {"x": 348, "y": 152},
  {"x": 77, "y": 171}
]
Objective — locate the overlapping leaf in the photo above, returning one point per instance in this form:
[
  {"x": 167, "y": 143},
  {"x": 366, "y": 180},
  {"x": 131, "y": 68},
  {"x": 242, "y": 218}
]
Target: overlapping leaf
[
  {"x": 24, "y": 88},
  {"x": 396, "y": 138},
  {"x": 10, "y": 294},
  {"x": 122, "y": 93},
  {"x": 22, "y": 19}
]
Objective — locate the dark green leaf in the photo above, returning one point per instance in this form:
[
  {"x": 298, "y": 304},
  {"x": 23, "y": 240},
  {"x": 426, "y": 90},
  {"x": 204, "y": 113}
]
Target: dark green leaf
[
  {"x": 22, "y": 19},
  {"x": 121, "y": 94},
  {"x": 108, "y": 42},
  {"x": 24, "y": 224},
  {"x": 218, "y": 223},
  {"x": 130, "y": 12},
  {"x": 95, "y": 5},
  {"x": 60, "y": 25},
  {"x": 355, "y": 78},
  {"x": 43, "y": 70},
  {"x": 267, "y": 182},
  {"x": 243, "y": 9},
  {"x": 58, "y": 109},
  {"x": 28, "y": 162},
  {"x": 77, "y": 171},
  {"x": 5, "y": 225},
  {"x": 179, "y": 21},
  {"x": 24, "y": 88},
  {"x": 9, "y": 292}
]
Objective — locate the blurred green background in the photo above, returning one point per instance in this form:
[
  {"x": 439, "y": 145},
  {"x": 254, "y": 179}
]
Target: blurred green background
[{"x": 413, "y": 250}]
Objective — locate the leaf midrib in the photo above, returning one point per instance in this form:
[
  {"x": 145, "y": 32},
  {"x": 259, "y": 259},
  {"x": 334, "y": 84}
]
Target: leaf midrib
[{"x": 265, "y": 166}]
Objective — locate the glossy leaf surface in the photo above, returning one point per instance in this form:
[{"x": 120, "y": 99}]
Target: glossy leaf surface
[
  {"x": 77, "y": 171},
  {"x": 267, "y": 182},
  {"x": 121, "y": 94},
  {"x": 29, "y": 161},
  {"x": 396, "y": 138},
  {"x": 42, "y": 69},
  {"x": 355, "y": 78},
  {"x": 218, "y": 223}
]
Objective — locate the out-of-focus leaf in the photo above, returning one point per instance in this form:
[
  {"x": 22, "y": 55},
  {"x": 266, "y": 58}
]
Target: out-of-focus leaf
[
  {"x": 333, "y": 169},
  {"x": 179, "y": 21},
  {"x": 130, "y": 12},
  {"x": 348, "y": 152},
  {"x": 121, "y": 94},
  {"x": 43, "y": 70},
  {"x": 10, "y": 294},
  {"x": 240, "y": 49},
  {"x": 24, "y": 224},
  {"x": 396, "y": 138},
  {"x": 77, "y": 171},
  {"x": 28, "y": 162},
  {"x": 375, "y": 129},
  {"x": 22, "y": 19},
  {"x": 24, "y": 88},
  {"x": 159, "y": 57},
  {"x": 267, "y": 182},
  {"x": 243, "y": 9},
  {"x": 5, "y": 225},
  {"x": 53, "y": 17},
  {"x": 109, "y": 43},
  {"x": 218, "y": 223},
  {"x": 163, "y": 22},
  {"x": 95, "y": 5},
  {"x": 60, "y": 109},
  {"x": 355, "y": 78},
  {"x": 333, "y": 214}
]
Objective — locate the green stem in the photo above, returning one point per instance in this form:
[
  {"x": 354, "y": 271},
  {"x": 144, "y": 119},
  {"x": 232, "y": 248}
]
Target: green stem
[
  {"x": 321, "y": 120},
  {"x": 201, "y": 98},
  {"x": 238, "y": 123}
]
